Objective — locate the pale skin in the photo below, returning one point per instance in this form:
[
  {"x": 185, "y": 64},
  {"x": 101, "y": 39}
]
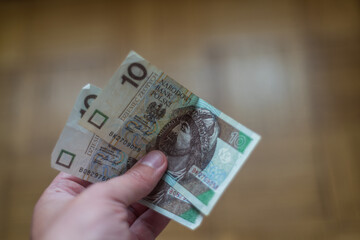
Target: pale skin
[{"x": 71, "y": 208}]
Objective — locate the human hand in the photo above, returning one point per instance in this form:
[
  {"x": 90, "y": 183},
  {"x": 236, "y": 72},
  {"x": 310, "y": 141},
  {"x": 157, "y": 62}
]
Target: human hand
[{"x": 71, "y": 208}]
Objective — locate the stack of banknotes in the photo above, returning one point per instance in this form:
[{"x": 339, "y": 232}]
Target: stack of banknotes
[{"x": 142, "y": 109}]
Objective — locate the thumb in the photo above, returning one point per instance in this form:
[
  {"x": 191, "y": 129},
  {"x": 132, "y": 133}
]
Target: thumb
[{"x": 139, "y": 181}]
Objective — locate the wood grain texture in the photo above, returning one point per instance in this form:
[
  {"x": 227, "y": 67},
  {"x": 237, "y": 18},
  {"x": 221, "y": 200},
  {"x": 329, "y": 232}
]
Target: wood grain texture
[{"x": 287, "y": 69}]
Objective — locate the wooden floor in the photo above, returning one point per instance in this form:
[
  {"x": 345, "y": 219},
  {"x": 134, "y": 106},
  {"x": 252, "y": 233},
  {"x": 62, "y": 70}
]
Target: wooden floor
[{"x": 290, "y": 70}]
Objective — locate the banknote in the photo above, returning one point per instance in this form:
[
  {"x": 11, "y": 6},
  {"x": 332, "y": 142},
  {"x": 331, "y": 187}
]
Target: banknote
[
  {"x": 83, "y": 154},
  {"x": 142, "y": 108}
]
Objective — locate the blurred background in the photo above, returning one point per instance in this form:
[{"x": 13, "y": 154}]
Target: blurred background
[{"x": 289, "y": 70}]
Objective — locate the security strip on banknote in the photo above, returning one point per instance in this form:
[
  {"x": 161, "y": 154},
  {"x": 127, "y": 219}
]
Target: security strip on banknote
[
  {"x": 142, "y": 109},
  {"x": 83, "y": 154}
]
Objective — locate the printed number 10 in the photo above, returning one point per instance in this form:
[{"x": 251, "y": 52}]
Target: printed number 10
[{"x": 135, "y": 76}]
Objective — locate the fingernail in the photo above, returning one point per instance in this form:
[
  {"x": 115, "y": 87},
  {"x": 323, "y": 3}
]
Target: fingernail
[{"x": 153, "y": 159}]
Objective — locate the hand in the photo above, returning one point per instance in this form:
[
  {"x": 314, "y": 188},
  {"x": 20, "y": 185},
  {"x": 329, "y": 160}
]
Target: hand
[{"x": 71, "y": 208}]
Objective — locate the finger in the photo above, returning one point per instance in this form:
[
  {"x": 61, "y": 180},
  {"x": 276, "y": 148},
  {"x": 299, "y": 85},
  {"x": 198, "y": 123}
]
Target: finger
[
  {"x": 134, "y": 211},
  {"x": 65, "y": 176},
  {"x": 149, "y": 225},
  {"x": 67, "y": 183},
  {"x": 138, "y": 181}
]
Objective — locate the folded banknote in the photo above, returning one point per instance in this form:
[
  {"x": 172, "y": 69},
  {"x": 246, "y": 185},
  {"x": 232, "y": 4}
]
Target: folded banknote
[
  {"x": 83, "y": 154},
  {"x": 142, "y": 109}
]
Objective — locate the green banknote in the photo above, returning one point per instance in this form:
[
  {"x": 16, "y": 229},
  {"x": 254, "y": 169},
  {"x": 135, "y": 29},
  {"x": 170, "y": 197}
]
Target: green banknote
[
  {"x": 142, "y": 108},
  {"x": 85, "y": 155}
]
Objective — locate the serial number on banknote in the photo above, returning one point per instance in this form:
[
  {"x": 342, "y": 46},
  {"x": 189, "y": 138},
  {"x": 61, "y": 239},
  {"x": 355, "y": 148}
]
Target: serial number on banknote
[{"x": 91, "y": 173}]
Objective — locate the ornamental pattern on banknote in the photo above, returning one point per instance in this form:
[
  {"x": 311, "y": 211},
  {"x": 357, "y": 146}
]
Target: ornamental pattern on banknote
[
  {"x": 221, "y": 165},
  {"x": 215, "y": 174},
  {"x": 108, "y": 160},
  {"x": 111, "y": 157}
]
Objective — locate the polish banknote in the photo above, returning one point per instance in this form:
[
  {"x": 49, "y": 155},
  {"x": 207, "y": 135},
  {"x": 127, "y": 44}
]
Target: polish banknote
[
  {"x": 142, "y": 108},
  {"x": 85, "y": 155}
]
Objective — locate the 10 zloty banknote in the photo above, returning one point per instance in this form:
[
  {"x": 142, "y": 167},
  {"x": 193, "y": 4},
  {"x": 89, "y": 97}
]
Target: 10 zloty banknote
[
  {"x": 81, "y": 153},
  {"x": 142, "y": 108}
]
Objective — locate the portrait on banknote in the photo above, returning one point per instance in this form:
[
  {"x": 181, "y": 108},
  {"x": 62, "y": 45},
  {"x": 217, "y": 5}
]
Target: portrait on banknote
[{"x": 188, "y": 139}]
